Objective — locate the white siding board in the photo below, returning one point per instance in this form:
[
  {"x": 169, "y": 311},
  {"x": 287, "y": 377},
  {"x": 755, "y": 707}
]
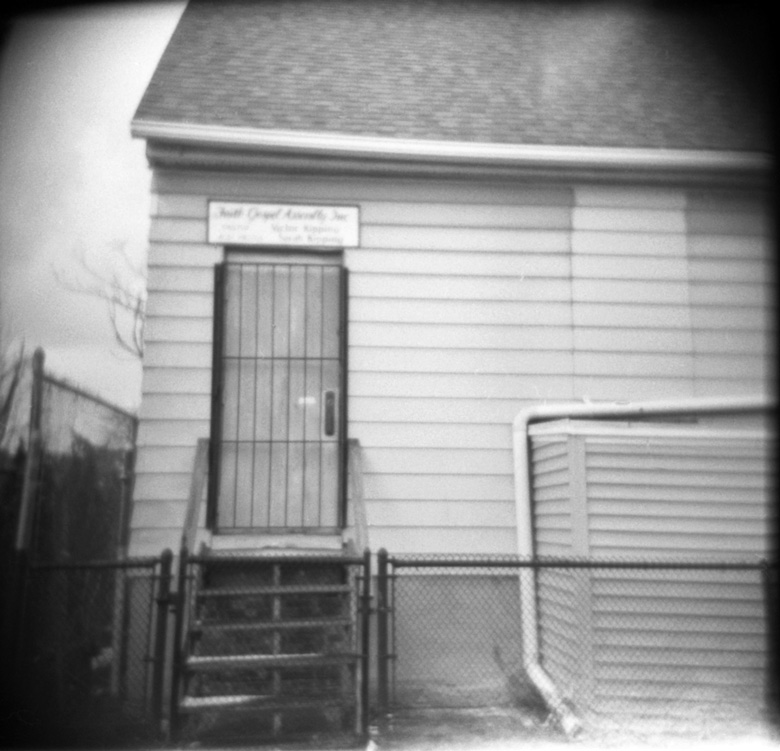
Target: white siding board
[
  {"x": 635, "y": 218},
  {"x": 464, "y": 215},
  {"x": 184, "y": 254},
  {"x": 467, "y": 238},
  {"x": 408, "y": 461},
  {"x": 152, "y": 459},
  {"x": 651, "y": 268},
  {"x": 629, "y": 197},
  {"x": 737, "y": 366},
  {"x": 179, "y": 206},
  {"x": 600, "y": 387},
  {"x": 178, "y": 230},
  {"x": 176, "y": 354},
  {"x": 630, "y": 316},
  {"x": 176, "y": 406},
  {"x": 728, "y": 318},
  {"x": 650, "y": 365},
  {"x": 172, "y": 380},
  {"x": 421, "y": 411},
  {"x": 180, "y": 279},
  {"x": 462, "y": 336},
  {"x": 728, "y": 246},
  {"x": 456, "y": 311},
  {"x": 466, "y": 541},
  {"x": 731, "y": 294},
  {"x": 168, "y": 486},
  {"x": 732, "y": 342},
  {"x": 633, "y": 340},
  {"x": 172, "y": 328},
  {"x": 153, "y": 432},
  {"x": 458, "y": 361},
  {"x": 147, "y": 514},
  {"x": 460, "y": 385},
  {"x": 445, "y": 435},
  {"x": 463, "y": 263},
  {"x": 629, "y": 292},
  {"x": 756, "y": 271},
  {"x": 634, "y": 244},
  {"x": 183, "y": 304},
  {"x": 453, "y": 513},
  {"x": 429, "y": 287}
]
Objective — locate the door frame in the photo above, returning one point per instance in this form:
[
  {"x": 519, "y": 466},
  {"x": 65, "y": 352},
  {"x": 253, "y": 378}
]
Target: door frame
[{"x": 270, "y": 256}]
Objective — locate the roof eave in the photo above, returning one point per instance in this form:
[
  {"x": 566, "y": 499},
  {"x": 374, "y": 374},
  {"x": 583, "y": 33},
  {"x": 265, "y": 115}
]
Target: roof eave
[{"x": 187, "y": 144}]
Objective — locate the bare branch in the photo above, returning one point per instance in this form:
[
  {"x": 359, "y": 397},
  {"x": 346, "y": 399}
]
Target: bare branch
[{"x": 122, "y": 287}]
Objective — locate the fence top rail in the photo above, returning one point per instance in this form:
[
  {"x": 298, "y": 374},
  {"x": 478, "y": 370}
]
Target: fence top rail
[
  {"x": 233, "y": 559},
  {"x": 84, "y": 394},
  {"x": 573, "y": 563},
  {"x": 126, "y": 563}
]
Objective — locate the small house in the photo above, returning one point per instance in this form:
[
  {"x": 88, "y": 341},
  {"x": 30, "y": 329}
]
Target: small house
[{"x": 381, "y": 230}]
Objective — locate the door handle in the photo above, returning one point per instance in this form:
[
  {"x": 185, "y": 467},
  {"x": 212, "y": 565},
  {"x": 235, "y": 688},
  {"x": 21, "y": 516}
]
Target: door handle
[{"x": 329, "y": 397}]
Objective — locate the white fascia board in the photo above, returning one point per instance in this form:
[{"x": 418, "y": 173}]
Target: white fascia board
[{"x": 462, "y": 152}]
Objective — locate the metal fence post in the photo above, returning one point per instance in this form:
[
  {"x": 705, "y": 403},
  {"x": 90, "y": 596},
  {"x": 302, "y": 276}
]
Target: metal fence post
[
  {"x": 365, "y": 641},
  {"x": 179, "y": 600},
  {"x": 163, "y": 601},
  {"x": 382, "y": 610}
]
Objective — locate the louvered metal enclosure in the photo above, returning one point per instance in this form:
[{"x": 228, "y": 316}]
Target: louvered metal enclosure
[{"x": 654, "y": 640}]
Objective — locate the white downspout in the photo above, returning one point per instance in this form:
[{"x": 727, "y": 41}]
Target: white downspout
[{"x": 568, "y": 720}]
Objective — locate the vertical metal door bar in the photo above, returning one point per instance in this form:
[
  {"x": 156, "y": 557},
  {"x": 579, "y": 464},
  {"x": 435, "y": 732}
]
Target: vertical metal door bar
[
  {"x": 215, "y": 444},
  {"x": 273, "y": 401},
  {"x": 238, "y": 390},
  {"x": 289, "y": 395},
  {"x": 341, "y": 512},
  {"x": 254, "y": 399},
  {"x": 322, "y": 380},
  {"x": 305, "y": 369}
]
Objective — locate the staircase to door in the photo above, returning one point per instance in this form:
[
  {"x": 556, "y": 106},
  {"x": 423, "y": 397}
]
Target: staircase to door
[{"x": 271, "y": 648}]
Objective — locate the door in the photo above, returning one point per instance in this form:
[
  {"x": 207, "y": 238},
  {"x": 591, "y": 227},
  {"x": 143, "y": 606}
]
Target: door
[{"x": 279, "y": 398}]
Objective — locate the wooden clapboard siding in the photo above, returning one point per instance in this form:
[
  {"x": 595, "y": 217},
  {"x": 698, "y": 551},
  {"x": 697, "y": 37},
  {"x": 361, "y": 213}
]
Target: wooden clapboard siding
[
  {"x": 175, "y": 408},
  {"x": 732, "y": 292},
  {"x": 468, "y": 302},
  {"x": 459, "y": 316},
  {"x": 630, "y": 297}
]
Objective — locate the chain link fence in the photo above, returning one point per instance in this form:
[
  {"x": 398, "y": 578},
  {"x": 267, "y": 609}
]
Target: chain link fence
[
  {"x": 83, "y": 484},
  {"x": 614, "y": 648},
  {"x": 88, "y": 658},
  {"x": 83, "y": 626}
]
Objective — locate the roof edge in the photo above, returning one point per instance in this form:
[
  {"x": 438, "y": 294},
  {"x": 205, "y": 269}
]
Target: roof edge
[{"x": 458, "y": 152}]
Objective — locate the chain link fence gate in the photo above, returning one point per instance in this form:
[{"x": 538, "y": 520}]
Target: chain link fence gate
[{"x": 619, "y": 649}]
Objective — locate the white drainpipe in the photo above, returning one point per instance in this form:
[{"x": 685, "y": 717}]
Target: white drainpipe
[{"x": 568, "y": 720}]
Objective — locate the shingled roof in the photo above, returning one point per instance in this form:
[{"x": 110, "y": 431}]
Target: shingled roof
[{"x": 637, "y": 75}]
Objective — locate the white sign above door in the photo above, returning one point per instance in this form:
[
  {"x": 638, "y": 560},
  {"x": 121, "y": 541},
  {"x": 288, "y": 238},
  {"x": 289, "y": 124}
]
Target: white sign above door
[{"x": 282, "y": 224}]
